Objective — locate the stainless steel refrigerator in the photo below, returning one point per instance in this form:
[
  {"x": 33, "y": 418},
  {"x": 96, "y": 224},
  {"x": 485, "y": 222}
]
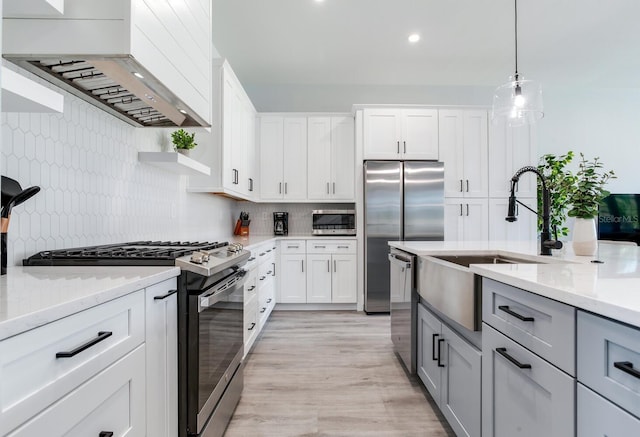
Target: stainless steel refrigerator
[{"x": 403, "y": 200}]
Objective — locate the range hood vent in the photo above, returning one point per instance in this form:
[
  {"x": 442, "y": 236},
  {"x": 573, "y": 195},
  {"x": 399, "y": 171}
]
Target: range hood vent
[{"x": 118, "y": 85}]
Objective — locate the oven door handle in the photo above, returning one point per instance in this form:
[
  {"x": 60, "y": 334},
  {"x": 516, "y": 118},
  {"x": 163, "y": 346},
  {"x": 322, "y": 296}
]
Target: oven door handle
[{"x": 223, "y": 290}]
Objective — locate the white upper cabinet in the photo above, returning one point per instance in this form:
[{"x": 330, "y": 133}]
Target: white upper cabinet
[
  {"x": 525, "y": 228},
  {"x": 392, "y": 133},
  {"x": 466, "y": 219},
  {"x": 283, "y": 158},
  {"x": 331, "y": 158},
  {"x": 229, "y": 147},
  {"x": 464, "y": 151},
  {"x": 511, "y": 148}
]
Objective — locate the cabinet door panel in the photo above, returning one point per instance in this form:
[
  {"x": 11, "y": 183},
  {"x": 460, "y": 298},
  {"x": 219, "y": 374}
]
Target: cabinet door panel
[
  {"x": 453, "y": 219},
  {"x": 476, "y": 220},
  {"x": 461, "y": 396},
  {"x": 319, "y": 158},
  {"x": 382, "y": 133},
  {"x": 271, "y": 159},
  {"x": 429, "y": 332},
  {"x": 451, "y": 140},
  {"x": 597, "y": 417},
  {"x": 343, "y": 281},
  {"x": 511, "y": 148},
  {"x": 342, "y": 158},
  {"x": 293, "y": 279},
  {"x": 475, "y": 153},
  {"x": 525, "y": 228},
  {"x": 419, "y": 134},
  {"x": 295, "y": 158},
  {"x": 319, "y": 279},
  {"x": 528, "y": 402},
  {"x": 162, "y": 360}
]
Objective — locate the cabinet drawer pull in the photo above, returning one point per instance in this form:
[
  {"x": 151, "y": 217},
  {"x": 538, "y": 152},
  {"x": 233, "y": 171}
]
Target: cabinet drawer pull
[
  {"x": 404, "y": 143},
  {"x": 503, "y": 351},
  {"x": 102, "y": 335},
  {"x": 253, "y": 325},
  {"x": 269, "y": 272},
  {"x": 293, "y": 247},
  {"x": 440, "y": 341},
  {"x": 627, "y": 367},
  {"x": 262, "y": 254},
  {"x": 343, "y": 247},
  {"x": 105, "y": 434},
  {"x": 263, "y": 310},
  {"x": 251, "y": 259},
  {"x": 302, "y": 265},
  {"x": 268, "y": 250},
  {"x": 506, "y": 309},
  {"x": 327, "y": 187},
  {"x": 251, "y": 288},
  {"x": 262, "y": 278},
  {"x": 269, "y": 300},
  {"x": 467, "y": 210},
  {"x": 461, "y": 210},
  {"x": 398, "y": 147},
  {"x": 467, "y": 185},
  {"x": 433, "y": 347},
  {"x": 461, "y": 186},
  {"x": 164, "y": 296},
  {"x": 319, "y": 247},
  {"x": 280, "y": 188},
  {"x": 274, "y": 269}
]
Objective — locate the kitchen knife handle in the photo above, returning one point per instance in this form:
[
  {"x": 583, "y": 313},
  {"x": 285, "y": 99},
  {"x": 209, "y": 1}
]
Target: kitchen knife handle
[
  {"x": 503, "y": 351},
  {"x": 102, "y": 335}
]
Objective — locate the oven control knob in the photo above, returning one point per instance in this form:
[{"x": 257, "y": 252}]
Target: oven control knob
[{"x": 199, "y": 257}]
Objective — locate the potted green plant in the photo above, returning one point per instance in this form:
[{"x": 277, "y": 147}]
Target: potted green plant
[
  {"x": 584, "y": 198},
  {"x": 560, "y": 182},
  {"x": 183, "y": 141}
]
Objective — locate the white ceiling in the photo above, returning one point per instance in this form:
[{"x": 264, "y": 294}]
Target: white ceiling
[{"x": 464, "y": 42}]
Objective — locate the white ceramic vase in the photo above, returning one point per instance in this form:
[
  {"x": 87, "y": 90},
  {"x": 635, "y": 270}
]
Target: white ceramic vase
[
  {"x": 185, "y": 152},
  {"x": 585, "y": 239}
]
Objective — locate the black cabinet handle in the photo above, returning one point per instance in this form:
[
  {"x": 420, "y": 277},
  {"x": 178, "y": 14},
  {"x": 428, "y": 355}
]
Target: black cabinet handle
[
  {"x": 253, "y": 325},
  {"x": 627, "y": 367},
  {"x": 503, "y": 351},
  {"x": 251, "y": 259},
  {"x": 269, "y": 272},
  {"x": 506, "y": 309},
  {"x": 269, "y": 300},
  {"x": 268, "y": 250},
  {"x": 274, "y": 268},
  {"x": 262, "y": 278},
  {"x": 105, "y": 434},
  {"x": 102, "y": 335},
  {"x": 164, "y": 296},
  {"x": 262, "y": 254},
  {"x": 251, "y": 288},
  {"x": 433, "y": 347},
  {"x": 263, "y": 310},
  {"x": 440, "y": 341}
]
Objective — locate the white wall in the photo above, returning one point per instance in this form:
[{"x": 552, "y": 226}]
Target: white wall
[
  {"x": 94, "y": 190},
  {"x": 597, "y": 122}
]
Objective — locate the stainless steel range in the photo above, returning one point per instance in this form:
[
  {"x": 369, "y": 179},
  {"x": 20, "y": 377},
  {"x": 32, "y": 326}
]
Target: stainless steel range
[{"x": 210, "y": 320}]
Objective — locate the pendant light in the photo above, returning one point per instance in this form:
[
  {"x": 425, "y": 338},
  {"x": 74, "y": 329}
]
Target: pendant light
[{"x": 519, "y": 101}]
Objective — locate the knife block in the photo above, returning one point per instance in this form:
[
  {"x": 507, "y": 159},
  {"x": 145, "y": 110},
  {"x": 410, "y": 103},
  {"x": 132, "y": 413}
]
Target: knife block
[{"x": 240, "y": 229}]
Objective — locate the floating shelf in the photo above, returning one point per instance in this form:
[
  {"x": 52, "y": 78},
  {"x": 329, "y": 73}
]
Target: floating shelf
[
  {"x": 21, "y": 94},
  {"x": 175, "y": 163}
]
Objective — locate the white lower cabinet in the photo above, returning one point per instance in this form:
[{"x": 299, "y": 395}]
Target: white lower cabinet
[
  {"x": 597, "y": 417},
  {"x": 319, "y": 279},
  {"x": 450, "y": 369},
  {"x": 293, "y": 286},
  {"x": 343, "y": 278},
  {"x": 162, "y": 359},
  {"x": 112, "y": 403},
  {"x": 331, "y": 278}
]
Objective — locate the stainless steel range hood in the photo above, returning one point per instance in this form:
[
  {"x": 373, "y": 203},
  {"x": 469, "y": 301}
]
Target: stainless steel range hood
[
  {"x": 118, "y": 85},
  {"x": 144, "y": 61}
]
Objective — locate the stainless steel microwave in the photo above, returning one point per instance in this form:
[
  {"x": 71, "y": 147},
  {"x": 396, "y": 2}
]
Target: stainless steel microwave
[{"x": 334, "y": 222}]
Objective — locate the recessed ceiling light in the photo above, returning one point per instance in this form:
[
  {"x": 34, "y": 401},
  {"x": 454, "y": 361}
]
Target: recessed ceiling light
[
  {"x": 414, "y": 38},
  {"x": 136, "y": 74}
]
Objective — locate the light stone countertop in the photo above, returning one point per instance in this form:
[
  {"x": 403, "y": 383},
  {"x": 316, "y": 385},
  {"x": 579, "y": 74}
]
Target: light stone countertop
[
  {"x": 33, "y": 296},
  {"x": 611, "y": 289},
  {"x": 255, "y": 240}
]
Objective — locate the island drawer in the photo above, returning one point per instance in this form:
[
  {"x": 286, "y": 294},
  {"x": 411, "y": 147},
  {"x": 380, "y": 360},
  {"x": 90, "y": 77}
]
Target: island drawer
[
  {"x": 544, "y": 326},
  {"x": 609, "y": 360},
  {"x": 289, "y": 247},
  {"x": 598, "y": 417},
  {"x": 40, "y": 366}
]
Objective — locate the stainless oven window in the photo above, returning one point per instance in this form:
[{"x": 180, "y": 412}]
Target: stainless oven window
[{"x": 221, "y": 336}]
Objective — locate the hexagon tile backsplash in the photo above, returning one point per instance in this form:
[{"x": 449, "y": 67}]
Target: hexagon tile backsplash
[{"x": 94, "y": 190}]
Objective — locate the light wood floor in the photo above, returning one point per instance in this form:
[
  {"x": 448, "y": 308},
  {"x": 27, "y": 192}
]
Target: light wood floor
[{"x": 330, "y": 373}]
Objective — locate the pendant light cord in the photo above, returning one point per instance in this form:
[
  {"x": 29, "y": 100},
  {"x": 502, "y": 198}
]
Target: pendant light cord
[{"x": 516, "y": 34}]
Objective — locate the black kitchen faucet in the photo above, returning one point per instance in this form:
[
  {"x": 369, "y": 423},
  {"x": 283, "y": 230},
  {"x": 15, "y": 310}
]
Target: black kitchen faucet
[{"x": 546, "y": 243}]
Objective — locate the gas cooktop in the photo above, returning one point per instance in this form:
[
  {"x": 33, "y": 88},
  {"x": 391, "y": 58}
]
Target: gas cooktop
[{"x": 138, "y": 253}]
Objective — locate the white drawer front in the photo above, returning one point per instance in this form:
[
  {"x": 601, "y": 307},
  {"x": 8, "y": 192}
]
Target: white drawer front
[
  {"x": 250, "y": 318},
  {"x": 609, "y": 360},
  {"x": 252, "y": 262},
  {"x": 267, "y": 268},
  {"x": 112, "y": 401},
  {"x": 597, "y": 417},
  {"x": 331, "y": 246},
  {"x": 251, "y": 285},
  {"x": 32, "y": 378},
  {"x": 549, "y": 328},
  {"x": 293, "y": 246}
]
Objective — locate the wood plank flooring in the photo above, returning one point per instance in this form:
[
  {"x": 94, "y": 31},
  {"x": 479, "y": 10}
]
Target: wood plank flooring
[{"x": 331, "y": 373}]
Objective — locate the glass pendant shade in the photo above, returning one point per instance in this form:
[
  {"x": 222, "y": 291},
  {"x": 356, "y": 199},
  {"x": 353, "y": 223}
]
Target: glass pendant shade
[{"x": 518, "y": 102}]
